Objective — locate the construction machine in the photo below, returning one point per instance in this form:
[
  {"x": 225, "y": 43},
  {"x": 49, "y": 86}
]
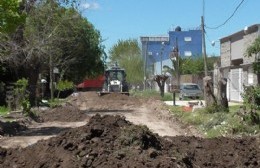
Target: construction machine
[{"x": 115, "y": 81}]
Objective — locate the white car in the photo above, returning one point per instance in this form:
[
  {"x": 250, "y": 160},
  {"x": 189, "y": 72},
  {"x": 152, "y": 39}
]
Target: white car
[{"x": 190, "y": 90}]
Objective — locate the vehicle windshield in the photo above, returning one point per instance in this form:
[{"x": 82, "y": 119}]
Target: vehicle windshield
[
  {"x": 191, "y": 87},
  {"x": 116, "y": 75}
]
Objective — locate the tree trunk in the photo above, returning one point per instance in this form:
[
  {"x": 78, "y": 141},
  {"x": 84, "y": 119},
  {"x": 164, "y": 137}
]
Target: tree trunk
[
  {"x": 209, "y": 97},
  {"x": 32, "y": 85},
  {"x": 160, "y": 79},
  {"x": 222, "y": 93},
  {"x": 161, "y": 86}
]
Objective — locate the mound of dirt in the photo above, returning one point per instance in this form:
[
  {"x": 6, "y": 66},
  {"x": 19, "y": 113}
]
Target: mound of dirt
[
  {"x": 65, "y": 113},
  {"x": 11, "y": 128},
  {"x": 91, "y": 102},
  {"x": 111, "y": 141},
  {"x": 115, "y": 96}
]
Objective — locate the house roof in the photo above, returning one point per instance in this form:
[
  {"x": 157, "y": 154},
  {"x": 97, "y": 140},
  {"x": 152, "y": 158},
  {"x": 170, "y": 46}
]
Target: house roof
[{"x": 250, "y": 29}]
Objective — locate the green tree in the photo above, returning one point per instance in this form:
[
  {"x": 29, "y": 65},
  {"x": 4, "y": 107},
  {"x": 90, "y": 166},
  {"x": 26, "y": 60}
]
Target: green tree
[
  {"x": 54, "y": 36},
  {"x": 124, "y": 49},
  {"x": 127, "y": 54},
  {"x": 196, "y": 66},
  {"x": 11, "y": 15},
  {"x": 254, "y": 49}
]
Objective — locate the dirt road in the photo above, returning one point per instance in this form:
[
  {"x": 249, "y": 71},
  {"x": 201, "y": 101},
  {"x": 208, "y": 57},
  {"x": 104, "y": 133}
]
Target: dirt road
[
  {"x": 81, "y": 134},
  {"x": 149, "y": 113}
]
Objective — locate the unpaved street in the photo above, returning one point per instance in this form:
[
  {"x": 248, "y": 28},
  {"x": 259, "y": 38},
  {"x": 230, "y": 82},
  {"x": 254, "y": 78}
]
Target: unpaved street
[
  {"x": 81, "y": 134},
  {"x": 149, "y": 112}
]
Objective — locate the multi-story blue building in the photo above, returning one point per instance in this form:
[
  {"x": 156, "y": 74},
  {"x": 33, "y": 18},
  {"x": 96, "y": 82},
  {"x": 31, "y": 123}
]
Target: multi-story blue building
[{"x": 157, "y": 50}]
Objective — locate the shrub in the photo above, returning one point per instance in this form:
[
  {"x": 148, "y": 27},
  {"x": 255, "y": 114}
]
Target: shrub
[
  {"x": 22, "y": 95},
  {"x": 64, "y": 85},
  {"x": 3, "y": 110},
  {"x": 251, "y": 97}
]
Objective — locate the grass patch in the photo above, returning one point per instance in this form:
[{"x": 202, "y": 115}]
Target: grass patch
[
  {"x": 168, "y": 97},
  {"x": 208, "y": 120},
  {"x": 154, "y": 94},
  {"x": 214, "y": 124},
  {"x": 56, "y": 102},
  {"x": 146, "y": 93},
  {"x": 3, "y": 110}
]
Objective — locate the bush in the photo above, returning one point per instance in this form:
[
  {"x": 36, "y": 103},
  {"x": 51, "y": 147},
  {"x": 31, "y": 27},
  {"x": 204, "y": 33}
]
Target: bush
[
  {"x": 64, "y": 86},
  {"x": 214, "y": 124},
  {"x": 23, "y": 95},
  {"x": 251, "y": 97},
  {"x": 251, "y": 110},
  {"x": 3, "y": 110},
  {"x": 216, "y": 108}
]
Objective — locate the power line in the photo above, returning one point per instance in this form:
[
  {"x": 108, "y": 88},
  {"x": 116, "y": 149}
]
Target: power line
[
  {"x": 216, "y": 27},
  {"x": 207, "y": 37}
]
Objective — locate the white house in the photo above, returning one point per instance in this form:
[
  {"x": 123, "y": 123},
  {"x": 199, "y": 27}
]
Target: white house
[{"x": 235, "y": 65}]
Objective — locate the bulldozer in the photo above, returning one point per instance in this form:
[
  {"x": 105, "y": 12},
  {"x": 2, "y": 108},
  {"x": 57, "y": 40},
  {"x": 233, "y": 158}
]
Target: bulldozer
[{"x": 115, "y": 81}]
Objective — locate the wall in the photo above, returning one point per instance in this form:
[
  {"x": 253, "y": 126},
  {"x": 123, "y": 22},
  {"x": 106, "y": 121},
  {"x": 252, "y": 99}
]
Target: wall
[{"x": 225, "y": 53}]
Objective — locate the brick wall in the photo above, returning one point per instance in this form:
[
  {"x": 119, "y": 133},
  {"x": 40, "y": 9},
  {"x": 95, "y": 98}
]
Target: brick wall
[{"x": 225, "y": 53}]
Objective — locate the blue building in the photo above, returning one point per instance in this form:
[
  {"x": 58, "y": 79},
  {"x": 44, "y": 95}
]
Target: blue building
[{"x": 157, "y": 50}]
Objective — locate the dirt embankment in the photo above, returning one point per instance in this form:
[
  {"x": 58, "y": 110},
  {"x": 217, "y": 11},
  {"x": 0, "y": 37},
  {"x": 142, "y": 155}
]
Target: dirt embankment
[
  {"x": 111, "y": 141},
  {"x": 108, "y": 136}
]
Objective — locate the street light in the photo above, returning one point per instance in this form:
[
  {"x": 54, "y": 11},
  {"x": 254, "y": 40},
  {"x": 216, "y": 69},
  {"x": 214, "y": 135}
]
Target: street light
[
  {"x": 213, "y": 42},
  {"x": 162, "y": 49},
  {"x": 175, "y": 58},
  {"x": 246, "y": 30}
]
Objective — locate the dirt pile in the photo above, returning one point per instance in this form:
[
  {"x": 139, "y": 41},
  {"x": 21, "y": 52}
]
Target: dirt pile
[
  {"x": 91, "y": 102},
  {"x": 16, "y": 122},
  {"x": 64, "y": 113},
  {"x": 111, "y": 141},
  {"x": 11, "y": 128}
]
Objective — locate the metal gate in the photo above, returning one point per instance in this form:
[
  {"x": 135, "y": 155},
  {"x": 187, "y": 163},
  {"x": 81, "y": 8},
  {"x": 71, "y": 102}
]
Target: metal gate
[{"x": 235, "y": 84}]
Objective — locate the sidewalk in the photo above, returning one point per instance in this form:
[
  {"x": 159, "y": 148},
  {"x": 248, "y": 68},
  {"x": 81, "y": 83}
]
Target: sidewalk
[
  {"x": 185, "y": 102},
  {"x": 182, "y": 102}
]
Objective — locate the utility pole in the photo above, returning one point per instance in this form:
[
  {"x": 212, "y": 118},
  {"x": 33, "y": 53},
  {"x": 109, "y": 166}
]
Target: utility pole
[
  {"x": 204, "y": 46},
  {"x": 178, "y": 62},
  {"x": 145, "y": 61},
  {"x": 162, "y": 50},
  {"x": 175, "y": 57},
  {"x": 208, "y": 98}
]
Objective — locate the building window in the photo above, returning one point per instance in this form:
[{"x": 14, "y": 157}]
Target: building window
[
  {"x": 250, "y": 78},
  {"x": 187, "y": 53},
  {"x": 187, "y": 39}
]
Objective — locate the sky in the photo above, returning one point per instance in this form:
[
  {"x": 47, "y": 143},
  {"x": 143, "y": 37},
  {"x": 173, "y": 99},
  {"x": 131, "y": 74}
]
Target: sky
[{"x": 130, "y": 19}]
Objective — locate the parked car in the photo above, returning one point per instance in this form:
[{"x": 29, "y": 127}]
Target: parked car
[{"x": 190, "y": 90}]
